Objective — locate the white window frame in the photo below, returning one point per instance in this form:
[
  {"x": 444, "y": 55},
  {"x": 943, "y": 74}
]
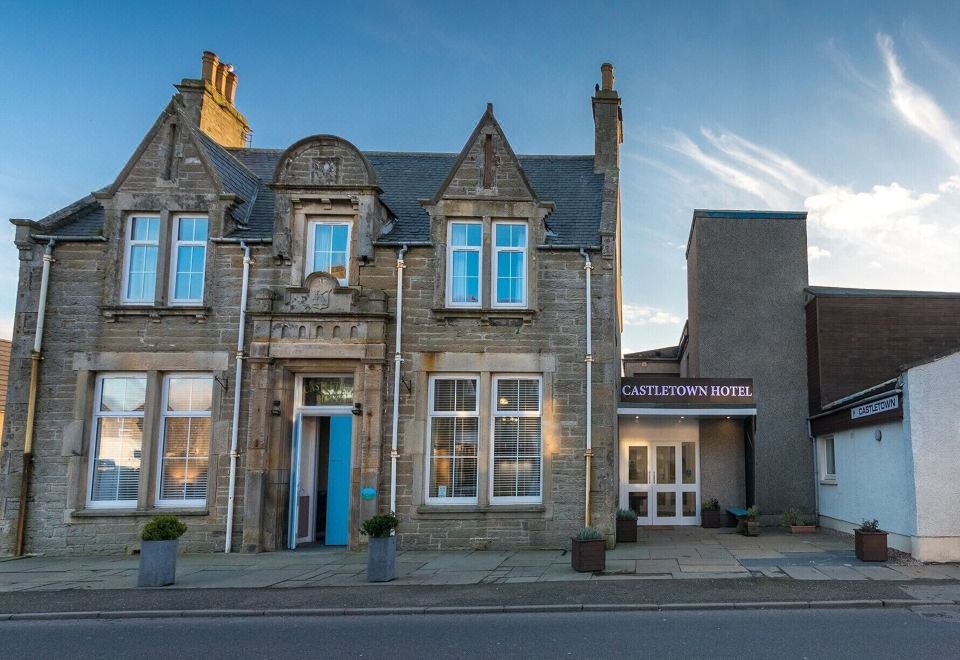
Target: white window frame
[
  {"x": 94, "y": 426},
  {"x": 175, "y": 244},
  {"x": 494, "y": 500},
  {"x": 128, "y": 244},
  {"x": 825, "y": 476},
  {"x": 495, "y": 264},
  {"x": 164, "y": 415},
  {"x": 431, "y": 415},
  {"x": 311, "y": 240},
  {"x": 450, "y": 250}
]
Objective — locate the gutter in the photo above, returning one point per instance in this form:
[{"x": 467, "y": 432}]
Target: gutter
[
  {"x": 397, "y": 360},
  {"x": 588, "y": 359},
  {"x": 235, "y": 424},
  {"x": 35, "y": 356}
]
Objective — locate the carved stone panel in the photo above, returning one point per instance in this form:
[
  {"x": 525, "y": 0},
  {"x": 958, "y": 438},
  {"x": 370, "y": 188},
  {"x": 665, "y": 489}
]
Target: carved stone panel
[{"x": 325, "y": 171}]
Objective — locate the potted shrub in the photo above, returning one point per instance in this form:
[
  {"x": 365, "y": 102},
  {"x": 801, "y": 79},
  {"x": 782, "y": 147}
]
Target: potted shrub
[
  {"x": 751, "y": 526},
  {"x": 870, "y": 541},
  {"x": 158, "y": 552},
  {"x": 711, "y": 516},
  {"x": 626, "y": 526},
  {"x": 588, "y": 552},
  {"x": 797, "y": 522},
  {"x": 382, "y": 547}
]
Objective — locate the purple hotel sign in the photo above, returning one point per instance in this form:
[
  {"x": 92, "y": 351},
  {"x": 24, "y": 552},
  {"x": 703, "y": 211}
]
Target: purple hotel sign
[{"x": 689, "y": 391}]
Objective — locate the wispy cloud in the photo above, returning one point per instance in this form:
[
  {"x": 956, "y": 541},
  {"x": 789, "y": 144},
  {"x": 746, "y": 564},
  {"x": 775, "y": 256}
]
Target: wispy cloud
[
  {"x": 814, "y": 253},
  {"x": 634, "y": 315},
  {"x": 728, "y": 173},
  {"x": 916, "y": 107}
]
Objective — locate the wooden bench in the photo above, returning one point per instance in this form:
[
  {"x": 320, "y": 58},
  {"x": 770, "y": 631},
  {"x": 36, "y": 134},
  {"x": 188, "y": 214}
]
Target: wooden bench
[{"x": 737, "y": 514}]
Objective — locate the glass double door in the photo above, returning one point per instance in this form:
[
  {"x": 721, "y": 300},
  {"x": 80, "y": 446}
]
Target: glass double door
[{"x": 660, "y": 482}]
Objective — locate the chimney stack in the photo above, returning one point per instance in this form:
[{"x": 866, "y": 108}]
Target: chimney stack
[
  {"x": 209, "y": 102},
  {"x": 607, "y": 122}
]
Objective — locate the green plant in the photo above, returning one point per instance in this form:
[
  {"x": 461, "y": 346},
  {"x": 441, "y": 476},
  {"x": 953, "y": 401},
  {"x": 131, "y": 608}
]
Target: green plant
[
  {"x": 589, "y": 534},
  {"x": 380, "y": 526},
  {"x": 163, "y": 528},
  {"x": 793, "y": 517},
  {"x": 870, "y": 526},
  {"x": 711, "y": 505},
  {"x": 753, "y": 512},
  {"x": 626, "y": 514}
]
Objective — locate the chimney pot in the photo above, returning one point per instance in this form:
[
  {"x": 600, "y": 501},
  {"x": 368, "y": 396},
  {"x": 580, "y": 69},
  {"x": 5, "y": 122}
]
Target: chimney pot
[
  {"x": 221, "y": 77},
  {"x": 231, "y": 86},
  {"x": 210, "y": 62},
  {"x": 606, "y": 77}
]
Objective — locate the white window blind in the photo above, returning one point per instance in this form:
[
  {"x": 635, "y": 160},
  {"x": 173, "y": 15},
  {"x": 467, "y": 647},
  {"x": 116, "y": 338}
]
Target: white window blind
[
  {"x": 189, "y": 259},
  {"x": 517, "y": 440},
  {"x": 454, "y": 436},
  {"x": 140, "y": 260},
  {"x": 117, "y": 440},
  {"x": 185, "y": 449}
]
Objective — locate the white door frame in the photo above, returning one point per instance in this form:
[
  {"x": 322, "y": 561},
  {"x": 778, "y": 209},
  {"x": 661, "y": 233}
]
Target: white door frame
[{"x": 652, "y": 488}]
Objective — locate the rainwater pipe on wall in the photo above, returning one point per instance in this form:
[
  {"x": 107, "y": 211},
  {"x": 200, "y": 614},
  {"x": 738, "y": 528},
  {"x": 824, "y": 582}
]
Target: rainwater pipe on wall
[
  {"x": 235, "y": 424},
  {"x": 397, "y": 360},
  {"x": 588, "y": 359}
]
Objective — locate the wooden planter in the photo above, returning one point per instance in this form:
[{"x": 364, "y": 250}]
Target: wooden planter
[
  {"x": 870, "y": 546},
  {"x": 751, "y": 527},
  {"x": 588, "y": 556},
  {"x": 803, "y": 529},
  {"x": 626, "y": 530},
  {"x": 713, "y": 519}
]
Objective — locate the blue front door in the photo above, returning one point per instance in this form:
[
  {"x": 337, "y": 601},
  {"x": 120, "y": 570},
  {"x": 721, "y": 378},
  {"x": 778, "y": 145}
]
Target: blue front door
[{"x": 338, "y": 480}]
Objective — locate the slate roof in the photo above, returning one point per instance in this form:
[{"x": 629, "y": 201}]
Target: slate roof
[{"x": 404, "y": 177}]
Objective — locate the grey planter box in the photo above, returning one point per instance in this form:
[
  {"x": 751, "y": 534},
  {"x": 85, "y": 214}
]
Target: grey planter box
[
  {"x": 382, "y": 559},
  {"x": 158, "y": 563}
]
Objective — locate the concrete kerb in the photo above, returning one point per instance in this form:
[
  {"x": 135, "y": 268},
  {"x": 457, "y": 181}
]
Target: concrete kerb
[{"x": 477, "y": 609}]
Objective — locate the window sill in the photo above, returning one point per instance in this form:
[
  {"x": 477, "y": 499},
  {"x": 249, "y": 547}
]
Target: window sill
[
  {"x": 488, "y": 316},
  {"x": 828, "y": 482},
  {"x": 474, "y": 511},
  {"x": 155, "y": 312},
  {"x": 131, "y": 513}
]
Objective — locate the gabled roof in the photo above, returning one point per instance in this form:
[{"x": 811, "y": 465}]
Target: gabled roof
[{"x": 405, "y": 179}]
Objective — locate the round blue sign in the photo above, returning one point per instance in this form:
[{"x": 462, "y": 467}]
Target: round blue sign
[{"x": 368, "y": 493}]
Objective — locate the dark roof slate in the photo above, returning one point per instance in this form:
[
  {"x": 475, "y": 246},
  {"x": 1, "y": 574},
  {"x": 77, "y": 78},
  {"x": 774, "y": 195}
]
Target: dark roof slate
[{"x": 404, "y": 177}]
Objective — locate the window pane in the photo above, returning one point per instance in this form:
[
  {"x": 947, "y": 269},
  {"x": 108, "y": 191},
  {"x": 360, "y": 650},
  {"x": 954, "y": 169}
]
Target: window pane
[
  {"x": 142, "y": 273},
  {"x": 688, "y": 458},
  {"x": 328, "y": 391},
  {"x": 639, "y": 503},
  {"x": 464, "y": 234},
  {"x": 516, "y": 457},
  {"x": 331, "y": 249},
  {"x": 521, "y": 394},
  {"x": 453, "y": 458},
  {"x": 689, "y": 504},
  {"x": 123, "y": 394},
  {"x": 466, "y": 277},
  {"x": 637, "y": 465},
  {"x": 339, "y": 238},
  {"x": 183, "y": 472},
  {"x": 116, "y": 461},
  {"x": 666, "y": 504},
  {"x": 185, "y": 229},
  {"x": 145, "y": 229},
  {"x": 455, "y": 395},
  {"x": 511, "y": 236},
  {"x": 189, "y": 393},
  {"x": 666, "y": 465},
  {"x": 510, "y": 277},
  {"x": 831, "y": 466}
]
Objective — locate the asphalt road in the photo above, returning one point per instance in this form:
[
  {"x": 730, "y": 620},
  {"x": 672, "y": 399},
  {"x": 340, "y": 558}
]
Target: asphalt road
[{"x": 932, "y": 632}]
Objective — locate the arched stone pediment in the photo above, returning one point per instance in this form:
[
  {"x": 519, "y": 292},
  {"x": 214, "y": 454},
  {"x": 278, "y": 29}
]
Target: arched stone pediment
[{"x": 323, "y": 161}]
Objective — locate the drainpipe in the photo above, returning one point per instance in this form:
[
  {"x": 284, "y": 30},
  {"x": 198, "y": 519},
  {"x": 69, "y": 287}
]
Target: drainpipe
[
  {"x": 235, "y": 426},
  {"x": 816, "y": 473},
  {"x": 397, "y": 359},
  {"x": 588, "y": 453},
  {"x": 35, "y": 358}
]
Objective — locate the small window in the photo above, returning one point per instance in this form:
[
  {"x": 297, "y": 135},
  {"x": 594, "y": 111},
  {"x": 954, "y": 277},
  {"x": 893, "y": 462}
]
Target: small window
[
  {"x": 510, "y": 264},
  {"x": 829, "y": 460},
  {"x": 117, "y": 442},
  {"x": 517, "y": 445},
  {"x": 454, "y": 439},
  {"x": 140, "y": 260},
  {"x": 189, "y": 255},
  {"x": 328, "y": 249},
  {"x": 185, "y": 440},
  {"x": 463, "y": 264}
]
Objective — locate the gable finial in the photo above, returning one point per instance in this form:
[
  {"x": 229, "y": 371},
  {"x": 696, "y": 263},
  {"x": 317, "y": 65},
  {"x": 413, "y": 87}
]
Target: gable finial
[{"x": 489, "y": 108}]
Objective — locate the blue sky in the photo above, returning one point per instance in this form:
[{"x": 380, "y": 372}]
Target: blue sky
[{"x": 849, "y": 110}]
